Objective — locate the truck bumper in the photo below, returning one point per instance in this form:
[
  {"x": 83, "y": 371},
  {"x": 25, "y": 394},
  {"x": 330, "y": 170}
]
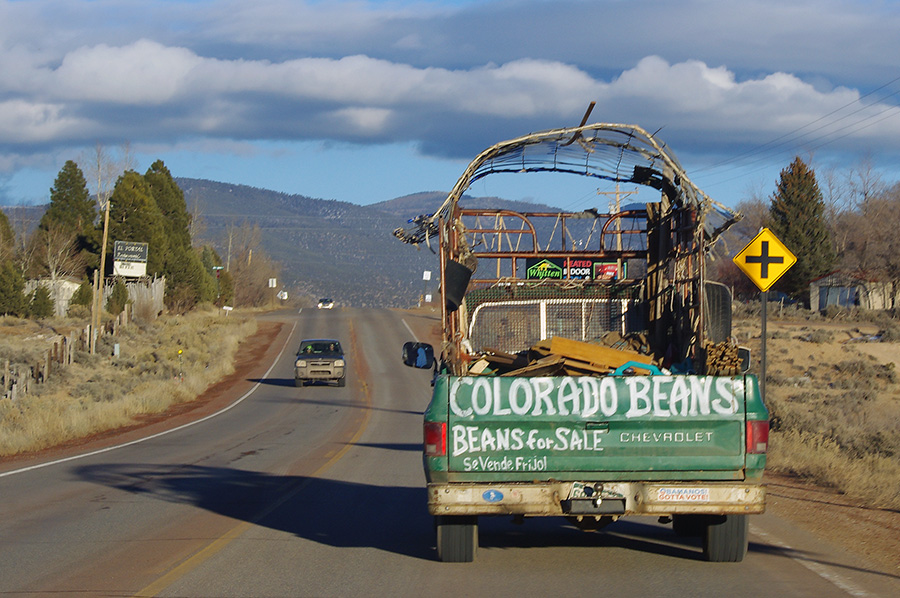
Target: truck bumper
[{"x": 609, "y": 498}]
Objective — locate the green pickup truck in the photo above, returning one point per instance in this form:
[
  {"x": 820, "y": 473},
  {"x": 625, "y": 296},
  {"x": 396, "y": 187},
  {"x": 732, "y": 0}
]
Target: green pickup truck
[{"x": 587, "y": 368}]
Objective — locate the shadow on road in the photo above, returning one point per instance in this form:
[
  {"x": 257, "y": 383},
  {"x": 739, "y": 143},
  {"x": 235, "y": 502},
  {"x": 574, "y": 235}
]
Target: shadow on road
[{"x": 348, "y": 514}]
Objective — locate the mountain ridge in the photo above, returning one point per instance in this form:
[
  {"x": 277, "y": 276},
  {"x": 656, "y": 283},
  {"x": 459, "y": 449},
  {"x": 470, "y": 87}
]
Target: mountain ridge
[
  {"x": 325, "y": 247},
  {"x": 331, "y": 248}
]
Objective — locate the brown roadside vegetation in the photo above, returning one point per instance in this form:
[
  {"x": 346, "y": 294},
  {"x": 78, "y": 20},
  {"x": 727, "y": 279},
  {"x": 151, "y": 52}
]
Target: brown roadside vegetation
[
  {"x": 833, "y": 391},
  {"x": 144, "y": 370}
]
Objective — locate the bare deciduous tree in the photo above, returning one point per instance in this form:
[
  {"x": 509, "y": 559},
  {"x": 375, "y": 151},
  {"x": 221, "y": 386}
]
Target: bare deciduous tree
[
  {"x": 55, "y": 252},
  {"x": 250, "y": 267}
]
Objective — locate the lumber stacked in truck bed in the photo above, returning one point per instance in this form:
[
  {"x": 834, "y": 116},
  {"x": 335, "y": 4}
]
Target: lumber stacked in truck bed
[
  {"x": 557, "y": 356},
  {"x": 722, "y": 359}
]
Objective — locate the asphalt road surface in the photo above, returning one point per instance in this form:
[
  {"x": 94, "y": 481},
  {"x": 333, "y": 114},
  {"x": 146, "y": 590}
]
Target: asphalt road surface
[{"x": 319, "y": 491}]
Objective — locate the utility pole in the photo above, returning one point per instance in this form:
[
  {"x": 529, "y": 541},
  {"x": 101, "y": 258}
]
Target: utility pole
[
  {"x": 98, "y": 291},
  {"x": 104, "y": 196},
  {"x": 618, "y": 194}
]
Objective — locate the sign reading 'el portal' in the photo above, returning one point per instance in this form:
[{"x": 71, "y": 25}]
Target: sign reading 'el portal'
[
  {"x": 765, "y": 259},
  {"x": 130, "y": 258}
]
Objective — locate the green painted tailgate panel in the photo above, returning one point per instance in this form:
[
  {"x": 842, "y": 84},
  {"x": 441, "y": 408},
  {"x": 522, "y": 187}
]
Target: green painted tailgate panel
[{"x": 592, "y": 424}]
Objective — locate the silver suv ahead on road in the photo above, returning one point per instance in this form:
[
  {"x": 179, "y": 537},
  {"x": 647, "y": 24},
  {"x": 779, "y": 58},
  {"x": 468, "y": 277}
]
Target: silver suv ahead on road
[{"x": 319, "y": 359}]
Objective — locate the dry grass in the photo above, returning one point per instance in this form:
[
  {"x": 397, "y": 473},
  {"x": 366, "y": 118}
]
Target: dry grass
[
  {"x": 834, "y": 397},
  {"x": 101, "y": 392}
]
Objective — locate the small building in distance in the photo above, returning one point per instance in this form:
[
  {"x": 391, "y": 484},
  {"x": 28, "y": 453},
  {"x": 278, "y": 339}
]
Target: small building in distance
[{"x": 850, "y": 290}]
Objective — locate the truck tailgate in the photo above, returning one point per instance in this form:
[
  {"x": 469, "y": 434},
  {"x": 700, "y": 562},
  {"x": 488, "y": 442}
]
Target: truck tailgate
[{"x": 634, "y": 427}]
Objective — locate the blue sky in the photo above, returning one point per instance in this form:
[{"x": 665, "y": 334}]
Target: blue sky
[{"x": 366, "y": 101}]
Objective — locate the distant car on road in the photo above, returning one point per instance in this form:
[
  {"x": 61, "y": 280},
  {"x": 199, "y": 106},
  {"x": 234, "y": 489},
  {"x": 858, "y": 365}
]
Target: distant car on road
[
  {"x": 320, "y": 360},
  {"x": 326, "y": 304}
]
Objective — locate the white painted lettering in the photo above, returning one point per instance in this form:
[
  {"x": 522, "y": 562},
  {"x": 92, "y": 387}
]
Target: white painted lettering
[
  {"x": 700, "y": 389},
  {"x": 660, "y": 396},
  {"x": 640, "y": 396},
  {"x": 726, "y": 404},
  {"x": 454, "y": 389},
  {"x": 488, "y": 440},
  {"x": 460, "y": 445},
  {"x": 609, "y": 397},
  {"x": 520, "y": 386},
  {"x": 482, "y": 391},
  {"x": 472, "y": 439},
  {"x": 590, "y": 388},
  {"x": 503, "y": 439},
  {"x": 518, "y": 439},
  {"x": 543, "y": 388},
  {"x": 562, "y": 437},
  {"x": 679, "y": 397},
  {"x": 568, "y": 394},
  {"x": 498, "y": 403}
]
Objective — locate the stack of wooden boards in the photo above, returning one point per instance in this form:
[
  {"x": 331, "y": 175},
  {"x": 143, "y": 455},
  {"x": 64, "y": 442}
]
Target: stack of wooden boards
[
  {"x": 558, "y": 356},
  {"x": 722, "y": 359}
]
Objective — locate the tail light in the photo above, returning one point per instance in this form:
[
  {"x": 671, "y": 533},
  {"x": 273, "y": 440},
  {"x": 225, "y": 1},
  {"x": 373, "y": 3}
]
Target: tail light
[
  {"x": 757, "y": 436},
  {"x": 435, "y": 439}
]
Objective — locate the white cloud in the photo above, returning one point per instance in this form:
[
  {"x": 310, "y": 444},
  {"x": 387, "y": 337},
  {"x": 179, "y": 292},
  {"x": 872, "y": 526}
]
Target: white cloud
[
  {"x": 361, "y": 95},
  {"x": 369, "y": 121},
  {"x": 24, "y": 122},
  {"x": 144, "y": 72}
]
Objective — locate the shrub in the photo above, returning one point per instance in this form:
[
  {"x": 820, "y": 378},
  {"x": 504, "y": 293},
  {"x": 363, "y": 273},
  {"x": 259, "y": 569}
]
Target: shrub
[
  {"x": 819, "y": 336},
  {"x": 118, "y": 298},
  {"x": 41, "y": 304},
  {"x": 12, "y": 298},
  {"x": 83, "y": 295},
  {"x": 891, "y": 334}
]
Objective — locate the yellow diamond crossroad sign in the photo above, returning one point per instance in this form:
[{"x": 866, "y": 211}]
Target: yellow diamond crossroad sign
[{"x": 765, "y": 259}]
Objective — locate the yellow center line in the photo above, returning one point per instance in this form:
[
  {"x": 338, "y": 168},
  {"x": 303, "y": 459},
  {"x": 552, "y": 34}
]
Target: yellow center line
[{"x": 214, "y": 547}]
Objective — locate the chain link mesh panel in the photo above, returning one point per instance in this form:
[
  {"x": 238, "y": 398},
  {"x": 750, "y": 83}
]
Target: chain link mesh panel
[{"x": 514, "y": 319}]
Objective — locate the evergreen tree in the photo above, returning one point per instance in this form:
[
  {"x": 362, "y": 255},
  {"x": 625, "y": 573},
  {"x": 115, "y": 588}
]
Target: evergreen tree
[
  {"x": 797, "y": 217},
  {"x": 41, "y": 303},
  {"x": 187, "y": 281},
  {"x": 83, "y": 295},
  {"x": 72, "y": 208},
  {"x": 170, "y": 201},
  {"x": 7, "y": 238},
  {"x": 134, "y": 216},
  {"x": 12, "y": 298},
  {"x": 118, "y": 298},
  {"x": 223, "y": 291}
]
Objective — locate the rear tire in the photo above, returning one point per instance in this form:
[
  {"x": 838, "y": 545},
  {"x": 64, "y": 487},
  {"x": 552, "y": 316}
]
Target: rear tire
[
  {"x": 457, "y": 538},
  {"x": 689, "y": 526},
  {"x": 726, "y": 541}
]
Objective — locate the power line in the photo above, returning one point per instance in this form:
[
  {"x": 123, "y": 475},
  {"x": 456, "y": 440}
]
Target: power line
[{"x": 777, "y": 142}]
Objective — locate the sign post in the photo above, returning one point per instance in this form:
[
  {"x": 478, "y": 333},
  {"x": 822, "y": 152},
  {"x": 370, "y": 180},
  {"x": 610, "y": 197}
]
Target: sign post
[
  {"x": 764, "y": 260},
  {"x": 426, "y": 276}
]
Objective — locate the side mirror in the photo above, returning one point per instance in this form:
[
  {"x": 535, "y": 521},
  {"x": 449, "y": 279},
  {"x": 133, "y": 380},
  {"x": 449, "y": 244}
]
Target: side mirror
[
  {"x": 744, "y": 357},
  {"x": 418, "y": 355}
]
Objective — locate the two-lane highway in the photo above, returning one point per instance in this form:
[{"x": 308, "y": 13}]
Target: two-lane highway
[{"x": 319, "y": 491}]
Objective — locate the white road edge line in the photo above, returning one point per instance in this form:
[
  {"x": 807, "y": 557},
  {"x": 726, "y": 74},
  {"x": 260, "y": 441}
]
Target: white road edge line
[
  {"x": 157, "y": 435},
  {"x": 817, "y": 568},
  {"x": 415, "y": 338}
]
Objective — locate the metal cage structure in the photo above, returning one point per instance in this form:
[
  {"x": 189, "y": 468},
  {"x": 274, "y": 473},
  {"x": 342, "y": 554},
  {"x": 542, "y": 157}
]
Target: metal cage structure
[{"x": 510, "y": 279}]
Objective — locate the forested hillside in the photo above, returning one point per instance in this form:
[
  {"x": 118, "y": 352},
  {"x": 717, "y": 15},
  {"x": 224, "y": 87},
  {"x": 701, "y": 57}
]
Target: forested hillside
[{"x": 327, "y": 248}]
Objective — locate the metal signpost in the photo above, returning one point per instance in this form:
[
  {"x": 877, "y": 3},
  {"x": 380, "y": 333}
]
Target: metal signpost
[{"x": 764, "y": 260}]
